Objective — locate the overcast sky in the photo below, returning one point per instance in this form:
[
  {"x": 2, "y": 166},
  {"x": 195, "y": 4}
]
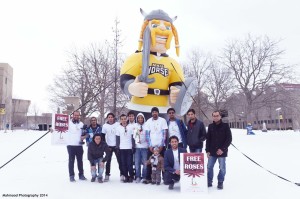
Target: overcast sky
[{"x": 36, "y": 35}]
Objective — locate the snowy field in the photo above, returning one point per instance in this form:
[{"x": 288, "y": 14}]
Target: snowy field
[{"x": 43, "y": 170}]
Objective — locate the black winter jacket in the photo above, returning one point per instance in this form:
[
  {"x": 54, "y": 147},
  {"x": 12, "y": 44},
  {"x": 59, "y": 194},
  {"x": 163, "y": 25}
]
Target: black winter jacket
[
  {"x": 196, "y": 134},
  {"x": 218, "y": 137},
  {"x": 97, "y": 151}
]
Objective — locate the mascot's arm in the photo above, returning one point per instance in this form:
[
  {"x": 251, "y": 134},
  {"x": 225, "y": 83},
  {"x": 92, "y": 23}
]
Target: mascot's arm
[
  {"x": 176, "y": 80},
  {"x": 130, "y": 71}
]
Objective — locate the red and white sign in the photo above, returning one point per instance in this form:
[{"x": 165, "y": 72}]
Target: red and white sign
[
  {"x": 60, "y": 128},
  {"x": 193, "y": 173}
]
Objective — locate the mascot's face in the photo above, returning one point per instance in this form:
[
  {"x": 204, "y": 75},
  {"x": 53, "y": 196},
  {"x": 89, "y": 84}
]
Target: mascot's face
[{"x": 161, "y": 35}]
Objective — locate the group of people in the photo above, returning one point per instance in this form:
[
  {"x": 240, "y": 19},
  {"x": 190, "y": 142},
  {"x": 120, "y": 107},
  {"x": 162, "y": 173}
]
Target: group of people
[{"x": 147, "y": 151}]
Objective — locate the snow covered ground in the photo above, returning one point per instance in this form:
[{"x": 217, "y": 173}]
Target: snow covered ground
[{"x": 43, "y": 169}]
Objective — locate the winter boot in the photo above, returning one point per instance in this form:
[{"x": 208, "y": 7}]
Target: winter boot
[
  {"x": 100, "y": 180},
  {"x": 220, "y": 185},
  {"x": 72, "y": 179},
  {"x": 106, "y": 179},
  {"x": 81, "y": 177},
  {"x": 171, "y": 186}
]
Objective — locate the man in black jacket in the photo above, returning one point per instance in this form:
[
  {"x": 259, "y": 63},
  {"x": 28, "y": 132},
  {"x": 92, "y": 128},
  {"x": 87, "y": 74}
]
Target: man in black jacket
[
  {"x": 196, "y": 133},
  {"x": 172, "y": 162},
  {"x": 218, "y": 140},
  {"x": 96, "y": 150}
]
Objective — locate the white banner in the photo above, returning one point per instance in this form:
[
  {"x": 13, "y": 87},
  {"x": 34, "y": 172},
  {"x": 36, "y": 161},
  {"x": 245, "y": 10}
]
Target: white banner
[
  {"x": 193, "y": 173},
  {"x": 60, "y": 126}
]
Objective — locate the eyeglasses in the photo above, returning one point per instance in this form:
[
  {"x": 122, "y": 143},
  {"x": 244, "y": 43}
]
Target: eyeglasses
[{"x": 216, "y": 115}]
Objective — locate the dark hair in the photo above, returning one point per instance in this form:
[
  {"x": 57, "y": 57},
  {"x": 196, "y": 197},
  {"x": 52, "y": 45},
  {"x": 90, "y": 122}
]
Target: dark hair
[
  {"x": 216, "y": 111},
  {"x": 122, "y": 115},
  {"x": 173, "y": 137},
  {"x": 130, "y": 113},
  {"x": 154, "y": 109},
  {"x": 171, "y": 109},
  {"x": 191, "y": 110},
  {"x": 76, "y": 112},
  {"x": 95, "y": 135},
  {"x": 93, "y": 118},
  {"x": 113, "y": 115}
]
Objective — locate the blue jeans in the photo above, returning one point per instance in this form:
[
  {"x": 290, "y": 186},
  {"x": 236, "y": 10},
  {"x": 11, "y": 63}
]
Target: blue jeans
[
  {"x": 97, "y": 166},
  {"x": 195, "y": 150},
  {"x": 210, "y": 168},
  {"x": 140, "y": 158}
]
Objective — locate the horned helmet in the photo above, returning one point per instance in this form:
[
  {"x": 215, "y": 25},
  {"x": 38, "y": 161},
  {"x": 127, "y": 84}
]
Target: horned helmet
[{"x": 148, "y": 37}]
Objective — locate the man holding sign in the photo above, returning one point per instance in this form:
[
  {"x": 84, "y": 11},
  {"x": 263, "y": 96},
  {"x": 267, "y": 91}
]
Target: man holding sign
[{"x": 172, "y": 162}]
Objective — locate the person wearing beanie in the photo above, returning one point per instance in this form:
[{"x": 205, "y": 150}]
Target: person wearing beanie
[{"x": 157, "y": 165}]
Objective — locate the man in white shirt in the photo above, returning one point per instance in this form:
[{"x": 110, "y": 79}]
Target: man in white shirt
[
  {"x": 177, "y": 128},
  {"x": 126, "y": 144},
  {"x": 109, "y": 129},
  {"x": 156, "y": 131},
  {"x": 74, "y": 146}
]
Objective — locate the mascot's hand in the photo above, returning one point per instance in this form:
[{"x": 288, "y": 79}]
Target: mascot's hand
[
  {"x": 137, "y": 88},
  {"x": 173, "y": 94}
]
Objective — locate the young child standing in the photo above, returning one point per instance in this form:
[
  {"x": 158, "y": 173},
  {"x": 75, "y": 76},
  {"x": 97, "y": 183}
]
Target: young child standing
[{"x": 157, "y": 165}]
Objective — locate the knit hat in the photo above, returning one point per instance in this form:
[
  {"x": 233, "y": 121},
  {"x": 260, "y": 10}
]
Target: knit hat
[
  {"x": 156, "y": 149},
  {"x": 154, "y": 109}
]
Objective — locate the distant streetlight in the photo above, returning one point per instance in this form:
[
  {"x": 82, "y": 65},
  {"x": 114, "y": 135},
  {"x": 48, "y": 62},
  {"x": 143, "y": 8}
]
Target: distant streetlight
[{"x": 278, "y": 110}]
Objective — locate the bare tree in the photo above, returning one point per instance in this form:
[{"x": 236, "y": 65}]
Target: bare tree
[
  {"x": 255, "y": 63},
  {"x": 219, "y": 86},
  {"x": 197, "y": 65},
  {"x": 74, "y": 81}
]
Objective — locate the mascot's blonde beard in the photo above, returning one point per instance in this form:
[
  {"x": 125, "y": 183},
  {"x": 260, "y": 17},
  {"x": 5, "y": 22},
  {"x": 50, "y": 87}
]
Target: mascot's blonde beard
[{"x": 158, "y": 32}]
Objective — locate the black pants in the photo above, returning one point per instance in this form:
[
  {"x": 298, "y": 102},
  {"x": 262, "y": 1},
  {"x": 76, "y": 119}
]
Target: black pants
[
  {"x": 170, "y": 178},
  {"x": 75, "y": 151},
  {"x": 149, "y": 169},
  {"x": 117, "y": 154},
  {"x": 127, "y": 162}
]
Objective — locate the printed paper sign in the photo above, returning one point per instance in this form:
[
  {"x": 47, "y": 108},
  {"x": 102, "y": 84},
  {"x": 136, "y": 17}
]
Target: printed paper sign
[
  {"x": 193, "y": 173},
  {"x": 60, "y": 129}
]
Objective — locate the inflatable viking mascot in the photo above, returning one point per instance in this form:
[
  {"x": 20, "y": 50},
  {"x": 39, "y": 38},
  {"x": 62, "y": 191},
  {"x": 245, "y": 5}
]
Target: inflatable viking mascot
[{"x": 150, "y": 77}]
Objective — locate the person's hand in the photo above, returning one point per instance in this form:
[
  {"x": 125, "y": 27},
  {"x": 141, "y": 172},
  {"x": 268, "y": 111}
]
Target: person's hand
[
  {"x": 137, "y": 88},
  {"x": 208, "y": 154},
  {"x": 174, "y": 94},
  {"x": 219, "y": 152},
  {"x": 177, "y": 172}
]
